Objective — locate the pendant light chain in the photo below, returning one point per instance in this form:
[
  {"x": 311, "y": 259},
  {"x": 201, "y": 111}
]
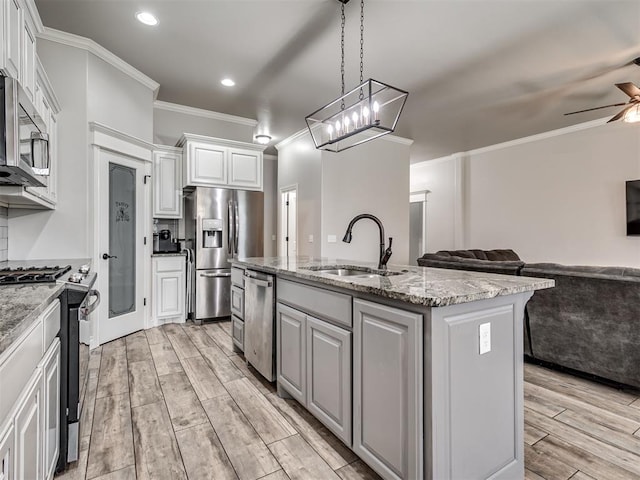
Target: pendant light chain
[
  {"x": 342, "y": 48},
  {"x": 361, "y": 40}
]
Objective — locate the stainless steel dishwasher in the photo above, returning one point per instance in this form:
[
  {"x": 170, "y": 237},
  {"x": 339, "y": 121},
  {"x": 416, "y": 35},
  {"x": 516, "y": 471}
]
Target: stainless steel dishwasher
[{"x": 259, "y": 324}]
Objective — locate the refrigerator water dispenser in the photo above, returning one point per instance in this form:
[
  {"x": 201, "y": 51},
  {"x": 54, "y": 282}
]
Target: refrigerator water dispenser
[{"x": 211, "y": 233}]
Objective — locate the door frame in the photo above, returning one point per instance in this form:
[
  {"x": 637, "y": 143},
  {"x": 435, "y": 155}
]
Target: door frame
[
  {"x": 282, "y": 234},
  {"x": 420, "y": 196},
  {"x": 106, "y": 139}
]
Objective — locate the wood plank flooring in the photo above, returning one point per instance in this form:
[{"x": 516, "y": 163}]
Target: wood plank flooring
[{"x": 176, "y": 402}]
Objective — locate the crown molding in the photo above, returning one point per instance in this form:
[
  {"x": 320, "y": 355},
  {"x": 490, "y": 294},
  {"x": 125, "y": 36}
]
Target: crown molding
[
  {"x": 34, "y": 14},
  {"x": 199, "y": 112},
  {"x": 540, "y": 136},
  {"x": 99, "y": 51},
  {"x": 301, "y": 133},
  {"x": 222, "y": 142}
]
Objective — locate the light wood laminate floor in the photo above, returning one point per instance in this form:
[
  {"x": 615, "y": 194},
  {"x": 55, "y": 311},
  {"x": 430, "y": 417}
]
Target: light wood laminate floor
[{"x": 176, "y": 402}]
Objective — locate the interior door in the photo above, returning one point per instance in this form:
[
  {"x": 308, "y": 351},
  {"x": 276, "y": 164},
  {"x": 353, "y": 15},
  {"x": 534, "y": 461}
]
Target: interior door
[{"x": 123, "y": 207}]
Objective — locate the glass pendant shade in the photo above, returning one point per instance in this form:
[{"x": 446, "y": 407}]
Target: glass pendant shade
[{"x": 369, "y": 111}]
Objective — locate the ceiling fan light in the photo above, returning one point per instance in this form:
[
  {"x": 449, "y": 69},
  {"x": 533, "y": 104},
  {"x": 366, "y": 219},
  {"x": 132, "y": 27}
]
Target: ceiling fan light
[{"x": 632, "y": 115}]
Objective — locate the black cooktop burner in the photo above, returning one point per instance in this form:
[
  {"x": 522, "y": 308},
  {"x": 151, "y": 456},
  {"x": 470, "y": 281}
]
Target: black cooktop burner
[{"x": 32, "y": 274}]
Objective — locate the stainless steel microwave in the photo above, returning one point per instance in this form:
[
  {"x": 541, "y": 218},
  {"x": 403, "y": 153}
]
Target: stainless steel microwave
[{"x": 24, "y": 143}]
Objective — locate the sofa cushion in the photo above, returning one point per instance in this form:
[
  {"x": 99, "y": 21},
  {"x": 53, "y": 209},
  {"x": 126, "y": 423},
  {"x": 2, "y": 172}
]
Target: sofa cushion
[
  {"x": 460, "y": 263},
  {"x": 502, "y": 255}
]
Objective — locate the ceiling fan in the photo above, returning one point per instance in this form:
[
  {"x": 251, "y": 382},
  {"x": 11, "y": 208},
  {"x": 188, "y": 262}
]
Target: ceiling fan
[{"x": 631, "y": 110}]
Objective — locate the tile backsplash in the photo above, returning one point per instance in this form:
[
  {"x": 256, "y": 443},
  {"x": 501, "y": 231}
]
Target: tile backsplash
[{"x": 4, "y": 234}]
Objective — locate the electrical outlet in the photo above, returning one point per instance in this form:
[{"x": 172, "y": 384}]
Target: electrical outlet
[
  {"x": 273, "y": 237},
  {"x": 485, "y": 338},
  {"x": 310, "y": 238},
  {"x": 331, "y": 238}
]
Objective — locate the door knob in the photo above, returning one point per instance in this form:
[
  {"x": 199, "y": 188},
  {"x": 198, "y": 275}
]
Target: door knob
[{"x": 106, "y": 256}]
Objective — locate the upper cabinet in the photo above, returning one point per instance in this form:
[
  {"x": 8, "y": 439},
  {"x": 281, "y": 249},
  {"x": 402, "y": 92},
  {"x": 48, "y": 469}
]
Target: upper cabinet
[
  {"x": 167, "y": 182},
  {"x": 214, "y": 162},
  {"x": 12, "y": 25},
  {"x": 48, "y": 107},
  {"x": 28, "y": 76}
]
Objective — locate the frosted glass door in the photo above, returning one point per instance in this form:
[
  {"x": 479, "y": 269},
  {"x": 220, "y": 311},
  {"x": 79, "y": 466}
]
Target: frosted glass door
[{"x": 122, "y": 238}]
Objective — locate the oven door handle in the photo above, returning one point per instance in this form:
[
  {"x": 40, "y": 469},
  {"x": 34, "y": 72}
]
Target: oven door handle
[{"x": 86, "y": 311}]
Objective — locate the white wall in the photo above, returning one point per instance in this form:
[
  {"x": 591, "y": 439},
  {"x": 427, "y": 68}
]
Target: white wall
[
  {"x": 118, "y": 101},
  {"x": 62, "y": 233},
  {"x": 88, "y": 90},
  {"x": 370, "y": 178},
  {"x": 440, "y": 177},
  {"x": 168, "y": 127},
  {"x": 299, "y": 163},
  {"x": 555, "y": 199},
  {"x": 270, "y": 182}
]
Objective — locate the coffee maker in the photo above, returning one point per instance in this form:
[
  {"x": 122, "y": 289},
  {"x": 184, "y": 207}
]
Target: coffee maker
[{"x": 163, "y": 243}]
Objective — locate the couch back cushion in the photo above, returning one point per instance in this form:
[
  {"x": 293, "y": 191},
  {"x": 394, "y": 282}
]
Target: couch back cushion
[
  {"x": 590, "y": 321},
  {"x": 499, "y": 255},
  {"x": 435, "y": 260}
]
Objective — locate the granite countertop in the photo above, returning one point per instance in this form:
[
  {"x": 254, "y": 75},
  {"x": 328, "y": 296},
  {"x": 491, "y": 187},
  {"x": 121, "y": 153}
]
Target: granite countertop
[
  {"x": 20, "y": 305},
  {"x": 433, "y": 287},
  {"x": 168, "y": 254}
]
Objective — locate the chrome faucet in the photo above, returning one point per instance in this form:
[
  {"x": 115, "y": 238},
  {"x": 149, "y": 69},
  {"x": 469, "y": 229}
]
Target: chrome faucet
[{"x": 385, "y": 254}]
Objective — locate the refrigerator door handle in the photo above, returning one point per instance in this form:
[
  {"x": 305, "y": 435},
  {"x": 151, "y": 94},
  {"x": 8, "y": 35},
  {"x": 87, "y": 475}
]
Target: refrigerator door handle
[
  {"x": 236, "y": 230},
  {"x": 215, "y": 275},
  {"x": 230, "y": 236}
]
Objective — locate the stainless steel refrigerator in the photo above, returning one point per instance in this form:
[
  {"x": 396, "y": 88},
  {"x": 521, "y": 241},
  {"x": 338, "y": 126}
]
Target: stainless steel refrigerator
[{"x": 220, "y": 224}]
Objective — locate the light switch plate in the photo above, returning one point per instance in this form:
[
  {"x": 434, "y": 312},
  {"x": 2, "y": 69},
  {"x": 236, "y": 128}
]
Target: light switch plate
[
  {"x": 273, "y": 237},
  {"x": 310, "y": 238},
  {"x": 331, "y": 238},
  {"x": 485, "y": 338}
]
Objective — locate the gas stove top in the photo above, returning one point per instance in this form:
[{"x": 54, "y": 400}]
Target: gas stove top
[{"x": 32, "y": 274}]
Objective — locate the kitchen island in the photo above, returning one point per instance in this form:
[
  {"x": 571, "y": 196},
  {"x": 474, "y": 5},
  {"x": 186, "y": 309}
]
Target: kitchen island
[{"x": 418, "y": 370}]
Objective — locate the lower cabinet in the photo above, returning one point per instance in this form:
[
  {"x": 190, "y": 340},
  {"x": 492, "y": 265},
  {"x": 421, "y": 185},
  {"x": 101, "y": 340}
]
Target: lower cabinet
[
  {"x": 291, "y": 358},
  {"x": 28, "y": 425},
  {"x": 6, "y": 453},
  {"x": 329, "y": 376},
  {"x": 237, "y": 332},
  {"x": 51, "y": 409},
  {"x": 314, "y": 366},
  {"x": 387, "y": 389},
  {"x": 169, "y": 286}
]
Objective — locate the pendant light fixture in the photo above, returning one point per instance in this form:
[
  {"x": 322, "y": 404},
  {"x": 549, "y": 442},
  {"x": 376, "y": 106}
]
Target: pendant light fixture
[{"x": 368, "y": 111}]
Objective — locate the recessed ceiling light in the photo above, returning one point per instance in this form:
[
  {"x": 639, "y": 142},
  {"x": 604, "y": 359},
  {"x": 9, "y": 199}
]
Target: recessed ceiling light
[
  {"x": 146, "y": 18},
  {"x": 227, "y": 82},
  {"x": 263, "y": 139}
]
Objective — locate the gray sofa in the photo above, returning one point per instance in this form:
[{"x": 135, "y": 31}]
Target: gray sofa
[{"x": 590, "y": 322}]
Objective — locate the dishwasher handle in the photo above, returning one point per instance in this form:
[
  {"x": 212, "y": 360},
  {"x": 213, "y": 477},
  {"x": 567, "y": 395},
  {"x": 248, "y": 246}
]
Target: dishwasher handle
[{"x": 258, "y": 279}]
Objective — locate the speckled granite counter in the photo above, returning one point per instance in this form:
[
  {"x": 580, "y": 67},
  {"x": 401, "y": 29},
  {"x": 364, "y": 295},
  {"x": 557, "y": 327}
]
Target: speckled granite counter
[
  {"x": 20, "y": 305},
  {"x": 432, "y": 287}
]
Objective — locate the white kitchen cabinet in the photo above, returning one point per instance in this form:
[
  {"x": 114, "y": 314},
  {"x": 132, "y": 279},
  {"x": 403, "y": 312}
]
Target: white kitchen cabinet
[
  {"x": 12, "y": 24},
  {"x": 7, "y": 453},
  {"x": 245, "y": 169},
  {"x": 169, "y": 285},
  {"x": 48, "y": 107},
  {"x": 386, "y": 363},
  {"x": 28, "y": 432},
  {"x": 167, "y": 182},
  {"x": 215, "y": 162},
  {"x": 51, "y": 409},
  {"x": 328, "y": 352},
  {"x": 28, "y": 75}
]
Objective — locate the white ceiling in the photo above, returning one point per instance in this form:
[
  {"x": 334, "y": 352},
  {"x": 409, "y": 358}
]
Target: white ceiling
[{"x": 478, "y": 72}]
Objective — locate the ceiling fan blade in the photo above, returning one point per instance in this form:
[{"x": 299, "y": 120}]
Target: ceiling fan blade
[
  {"x": 620, "y": 114},
  {"x": 629, "y": 88},
  {"x": 597, "y": 108}
]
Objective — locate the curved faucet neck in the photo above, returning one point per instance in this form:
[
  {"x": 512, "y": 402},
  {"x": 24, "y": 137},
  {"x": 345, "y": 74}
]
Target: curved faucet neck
[{"x": 377, "y": 221}]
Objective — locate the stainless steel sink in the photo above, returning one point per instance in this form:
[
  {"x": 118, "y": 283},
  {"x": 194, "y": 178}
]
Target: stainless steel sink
[{"x": 353, "y": 271}]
